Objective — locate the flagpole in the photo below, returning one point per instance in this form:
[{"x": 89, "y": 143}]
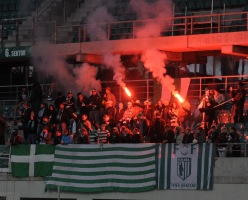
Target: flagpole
[{"x": 222, "y": 103}]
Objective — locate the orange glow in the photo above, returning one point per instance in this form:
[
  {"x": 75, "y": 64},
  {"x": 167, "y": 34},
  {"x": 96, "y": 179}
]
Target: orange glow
[
  {"x": 178, "y": 96},
  {"x": 127, "y": 91}
]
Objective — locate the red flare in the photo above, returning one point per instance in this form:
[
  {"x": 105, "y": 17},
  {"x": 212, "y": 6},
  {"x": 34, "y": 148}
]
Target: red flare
[
  {"x": 178, "y": 96},
  {"x": 127, "y": 91}
]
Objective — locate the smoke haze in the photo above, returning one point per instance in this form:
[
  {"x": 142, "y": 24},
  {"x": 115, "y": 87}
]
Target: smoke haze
[
  {"x": 79, "y": 79},
  {"x": 160, "y": 10}
]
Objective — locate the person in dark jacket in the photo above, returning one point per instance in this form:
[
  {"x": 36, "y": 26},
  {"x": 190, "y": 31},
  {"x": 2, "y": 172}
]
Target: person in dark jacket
[
  {"x": 35, "y": 97},
  {"x": 238, "y": 99},
  {"x": 94, "y": 104},
  {"x": 168, "y": 136},
  {"x": 235, "y": 140},
  {"x": 188, "y": 136}
]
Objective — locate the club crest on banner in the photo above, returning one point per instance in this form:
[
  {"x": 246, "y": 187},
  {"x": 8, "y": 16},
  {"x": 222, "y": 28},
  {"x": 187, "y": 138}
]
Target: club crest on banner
[{"x": 184, "y": 168}]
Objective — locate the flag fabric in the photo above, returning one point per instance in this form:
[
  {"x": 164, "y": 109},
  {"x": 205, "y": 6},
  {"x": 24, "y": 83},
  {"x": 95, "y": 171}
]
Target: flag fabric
[
  {"x": 4, "y": 158},
  {"x": 181, "y": 85},
  {"x": 104, "y": 168},
  {"x": 185, "y": 166},
  {"x": 32, "y": 160}
]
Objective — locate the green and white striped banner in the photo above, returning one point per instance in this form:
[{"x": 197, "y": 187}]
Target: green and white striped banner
[
  {"x": 111, "y": 167},
  {"x": 32, "y": 160},
  {"x": 185, "y": 166}
]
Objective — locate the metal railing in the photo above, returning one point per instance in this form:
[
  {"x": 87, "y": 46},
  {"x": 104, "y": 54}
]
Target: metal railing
[
  {"x": 181, "y": 25},
  {"x": 141, "y": 89}
]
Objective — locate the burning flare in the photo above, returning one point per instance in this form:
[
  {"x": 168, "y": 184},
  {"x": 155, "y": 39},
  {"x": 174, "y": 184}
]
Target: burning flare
[
  {"x": 127, "y": 91},
  {"x": 178, "y": 96}
]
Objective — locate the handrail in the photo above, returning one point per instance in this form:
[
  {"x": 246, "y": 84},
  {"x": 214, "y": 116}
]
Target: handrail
[{"x": 182, "y": 25}]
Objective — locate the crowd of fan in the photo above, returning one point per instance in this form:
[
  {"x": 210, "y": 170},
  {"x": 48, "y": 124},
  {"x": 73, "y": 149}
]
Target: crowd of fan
[{"x": 98, "y": 120}]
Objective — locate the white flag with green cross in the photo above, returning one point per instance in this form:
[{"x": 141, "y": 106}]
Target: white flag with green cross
[{"x": 32, "y": 160}]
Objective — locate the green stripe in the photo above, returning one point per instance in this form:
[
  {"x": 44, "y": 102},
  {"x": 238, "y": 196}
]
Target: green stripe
[
  {"x": 20, "y": 169},
  {"x": 111, "y": 180},
  {"x": 199, "y": 167},
  {"x": 101, "y": 189},
  {"x": 20, "y": 150},
  {"x": 104, "y": 164},
  {"x": 100, "y": 157},
  {"x": 104, "y": 172},
  {"x": 44, "y": 149},
  {"x": 43, "y": 168},
  {"x": 162, "y": 168},
  {"x": 113, "y": 149},
  {"x": 169, "y": 165}
]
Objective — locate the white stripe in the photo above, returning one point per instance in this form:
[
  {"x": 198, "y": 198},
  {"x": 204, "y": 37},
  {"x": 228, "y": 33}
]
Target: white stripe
[
  {"x": 106, "y": 146},
  {"x": 103, "y": 185},
  {"x": 31, "y": 160},
  {"x": 102, "y": 177},
  {"x": 123, "y": 169},
  {"x": 209, "y": 165},
  {"x": 101, "y": 161},
  {"x": 166, "y": 166},
  {"x": 105, "y": 153},
  {"x": 37, "y": 158}
]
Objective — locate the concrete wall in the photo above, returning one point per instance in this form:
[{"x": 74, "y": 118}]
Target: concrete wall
[{"x": 230, "y": 183}]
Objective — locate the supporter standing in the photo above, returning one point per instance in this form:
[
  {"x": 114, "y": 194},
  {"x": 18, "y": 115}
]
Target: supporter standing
[
  {"x": 218, "y": 98},
  {"x": 25, "y": 116},
  {"x": 85, "y": 123},
  {"x": 184, "y": 114},
  {"x": 188, "y": 136},
  {"x": 52, "y": 114},
  {"x": 238, "y": 99},
  {"x": 173, "y": 114},
  {"x": 24, "y": 94},
  {"x": 119, "y": 114},
  {"x": 157, "y": 129},
  {"x": 62, "y": 116},
  {"x": 148, "y": 110},
  {"x": 94, "y": 107},
  {"x": 103, "y": 134},
  {"x": 200, "y": 136},
  {"x": 143, "y": 125},
  {"x": 35, "y": 97},
  {"x": 114, "y": 136},
  {"x": 32, "y": 128},
  {"x": 234, "y": 139},
  {"x": 82, "y": 104},
  {"x": 223, "y": 138},
  {"x": 70, "y": 103},
  {"x": 128, "y": 116},
  {"x": 110, "y": 110},
  {"x": 178, "y": 135},
  {"x": 168, "y": 136},
  {"x": 108, "y": 96}
]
